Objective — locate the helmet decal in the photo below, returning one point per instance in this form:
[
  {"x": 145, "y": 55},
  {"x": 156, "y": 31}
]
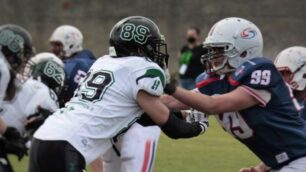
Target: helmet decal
[
  {"x": 234, "y": 39},
  {"x": 16, "y": 45},
  {"x": 137, "y": 33},
  {"x": 13, "y": 41},
  {"x": 248, "y": 33},
  {"x": 53, "y": 70}
]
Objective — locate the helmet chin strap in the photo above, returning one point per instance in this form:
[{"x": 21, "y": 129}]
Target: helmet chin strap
[{"x": 226, "y": 69}]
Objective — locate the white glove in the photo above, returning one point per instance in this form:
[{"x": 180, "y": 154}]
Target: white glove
[{"x": 197, "y": 116}]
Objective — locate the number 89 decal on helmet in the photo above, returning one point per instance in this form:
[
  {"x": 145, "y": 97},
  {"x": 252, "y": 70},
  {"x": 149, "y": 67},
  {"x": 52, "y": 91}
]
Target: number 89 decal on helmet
[
  {"x": 130, "y": 31},
  {"x": 138, "y": 36}
]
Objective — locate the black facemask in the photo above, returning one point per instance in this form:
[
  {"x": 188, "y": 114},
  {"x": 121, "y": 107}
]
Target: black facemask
[{"x": 191, "y": 40}]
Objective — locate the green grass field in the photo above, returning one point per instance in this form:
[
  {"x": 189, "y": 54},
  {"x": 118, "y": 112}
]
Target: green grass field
[{"x": 215, "y": 151}]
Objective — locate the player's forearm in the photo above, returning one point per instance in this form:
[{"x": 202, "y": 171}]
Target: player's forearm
[
  {"x": 173, "y": 103},
  {"x": 3, "y": 126},
  {"x": 176, "y": 128},
  {"x": 262, "y": 167},
  {"x": 196, "y": 100},
  {"x": 97, "y": 165}
]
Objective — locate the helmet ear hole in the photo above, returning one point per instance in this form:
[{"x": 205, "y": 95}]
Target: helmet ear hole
[
  {"x": 304, "y": 75},
  {"x": 244, "y": 54}
]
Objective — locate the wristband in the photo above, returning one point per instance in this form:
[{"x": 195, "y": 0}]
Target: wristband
[{"x": 170, "y": 88}]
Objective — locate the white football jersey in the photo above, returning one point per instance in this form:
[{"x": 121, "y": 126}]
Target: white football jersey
[
  {"x": 104, "y": 105},
  {"x": 31, "y": 95},
  {"x": 4, "y": 78}
]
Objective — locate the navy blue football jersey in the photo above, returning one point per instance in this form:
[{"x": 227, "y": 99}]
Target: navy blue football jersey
[
  {"x": 273, "y": 129},
  {"x": 76, "y": 68}
]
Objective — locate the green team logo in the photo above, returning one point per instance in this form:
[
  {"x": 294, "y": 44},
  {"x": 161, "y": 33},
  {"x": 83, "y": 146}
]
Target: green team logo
[
  {"x": 153, "y": 73},
  {"x": 138, "y": 33},
  {"x": 55, "y": 71},
  {"x": 13, "y": 41},
  {"x": 155, "y": 85}
]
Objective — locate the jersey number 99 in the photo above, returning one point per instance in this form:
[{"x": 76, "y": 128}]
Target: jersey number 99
[{"x": 262, "y": 77}]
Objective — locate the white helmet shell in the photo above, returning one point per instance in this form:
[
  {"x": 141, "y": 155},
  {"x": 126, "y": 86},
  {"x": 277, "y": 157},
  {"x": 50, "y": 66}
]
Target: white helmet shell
[
  {"x": 71, "y": 38},
  {"x": 241, "y": 39},
  {"x": 294, "y": 60},
  {"x": 46, "y": 56},
  {"x": 39, "y": 58}
]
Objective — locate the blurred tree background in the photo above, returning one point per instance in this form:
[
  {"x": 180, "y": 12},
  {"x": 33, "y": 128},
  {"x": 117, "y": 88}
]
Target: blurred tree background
[{"x": 282, "y": 22}]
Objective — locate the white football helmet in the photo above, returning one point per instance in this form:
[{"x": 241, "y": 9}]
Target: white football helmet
[
  {"x": 293, "y": 60},
  {"x": 40, "y": 58},
  {"x": 48, "y": 69},
  {"x": 239, "y": 39},
  {"x": 70, "y": 37}
]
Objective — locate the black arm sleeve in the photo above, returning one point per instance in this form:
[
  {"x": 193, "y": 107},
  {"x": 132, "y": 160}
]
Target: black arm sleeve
[
  {"x": 176, "y": 128},
  {"x": 145, "y": 120}
]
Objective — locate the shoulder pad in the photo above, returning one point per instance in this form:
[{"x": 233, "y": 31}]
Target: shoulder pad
[
  {"x": 255, "y": 73},
  {"x": 205, "y": 79},
  {"x": 85, "y": 54},
  {"x": 205, "y": 82}
]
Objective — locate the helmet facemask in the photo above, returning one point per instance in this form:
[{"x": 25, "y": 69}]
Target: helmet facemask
[
  {"x": 156, "y": 50},
  {"x": 217, "y": 57},
  {"x": 239, "y": 39},
  {"x": 296, "y": 79}
]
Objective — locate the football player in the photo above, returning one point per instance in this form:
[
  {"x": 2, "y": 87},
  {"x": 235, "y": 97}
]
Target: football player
[
  {"x": 291, "y": 64},
  {"x": 33, "y": 101},
  {"x": 46, "y": 79},
  {"x": 115, "y": 92},
  {"x": 15, "y": 49},
  {"x": 249, "y": 97},
  {"x": 67, "y": 43}
]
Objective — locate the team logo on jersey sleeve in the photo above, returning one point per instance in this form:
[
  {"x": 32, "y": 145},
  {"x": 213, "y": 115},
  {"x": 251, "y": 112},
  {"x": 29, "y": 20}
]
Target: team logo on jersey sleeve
[{"x": 248, "y": 33}]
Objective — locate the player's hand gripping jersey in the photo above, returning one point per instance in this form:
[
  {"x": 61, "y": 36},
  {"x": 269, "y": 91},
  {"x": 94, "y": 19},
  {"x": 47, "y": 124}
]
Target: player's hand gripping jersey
[
  {"x": 273, "y": 130},
  {"x": 104, "y": 105}
]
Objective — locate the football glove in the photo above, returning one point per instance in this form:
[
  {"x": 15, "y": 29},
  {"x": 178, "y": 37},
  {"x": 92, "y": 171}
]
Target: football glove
[
  {"x": 14, "y": 143},
  {"x": 198, "y": 117},
  {"x": 17, "y": 148},
  {"x": 170, "y": 86},
  {"x": 37, "y": 119}
]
